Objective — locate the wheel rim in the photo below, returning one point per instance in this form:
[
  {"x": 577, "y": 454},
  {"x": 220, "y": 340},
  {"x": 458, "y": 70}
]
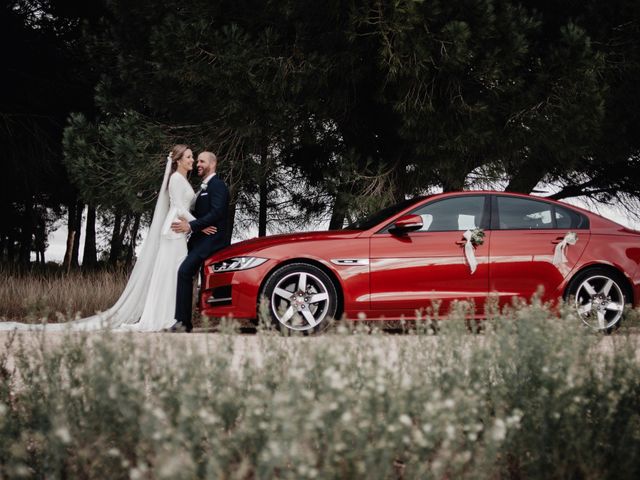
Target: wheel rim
[
  {"x": 599, "y": 302},
  {"x": 300, "y": 301}
]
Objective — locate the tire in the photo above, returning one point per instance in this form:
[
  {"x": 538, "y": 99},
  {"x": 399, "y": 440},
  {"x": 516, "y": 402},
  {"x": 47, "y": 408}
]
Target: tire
[
  {"x": 599, "y": 296},
  {"x": 300, "y": 297}
]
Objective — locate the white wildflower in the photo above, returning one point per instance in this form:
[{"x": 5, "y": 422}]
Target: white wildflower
[
  {"x": 175, "y": 465},
  {"x": 113, "y": 452},
  {"x": 463, "y": 457},
  {"x": 63, "y": 434},
  {"x": 450, "y": 431},
  {"x": 513, "y": 421},
  {"x": 405, "y": 420},
  {"x": 499, "y": 430}
]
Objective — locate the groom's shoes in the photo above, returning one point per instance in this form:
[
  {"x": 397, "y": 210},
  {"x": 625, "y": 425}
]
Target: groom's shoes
[{"x": 180, "y": 327}]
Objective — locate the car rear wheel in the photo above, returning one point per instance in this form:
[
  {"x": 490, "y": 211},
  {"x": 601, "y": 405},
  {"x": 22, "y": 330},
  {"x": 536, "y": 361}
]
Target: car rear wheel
[
  {"x": 599, "y": 296},
  {"x": 301, "y": 297}
]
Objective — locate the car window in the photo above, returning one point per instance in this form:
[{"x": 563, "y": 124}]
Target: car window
[
  {"x": 457, "y": 213},
  {"x": 515, "y": 213},
  {"x": 524, "y": 214},
  {"x": 568, "y": 219}
]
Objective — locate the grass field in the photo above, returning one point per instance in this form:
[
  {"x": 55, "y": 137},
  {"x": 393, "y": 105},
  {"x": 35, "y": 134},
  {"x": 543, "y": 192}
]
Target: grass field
[
  {"x": 52, "y": 293},
  {"x": 534, "y": 395}
]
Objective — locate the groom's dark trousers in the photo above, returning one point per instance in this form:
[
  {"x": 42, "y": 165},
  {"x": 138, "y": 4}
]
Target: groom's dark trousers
[{"x": 211, "y": 208}]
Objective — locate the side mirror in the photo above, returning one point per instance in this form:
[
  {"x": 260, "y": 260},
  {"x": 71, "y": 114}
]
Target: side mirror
[{"x": 406, "y": 224}]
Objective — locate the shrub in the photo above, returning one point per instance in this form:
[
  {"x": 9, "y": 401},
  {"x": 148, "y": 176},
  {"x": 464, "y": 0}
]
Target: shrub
[{"x": 533, "y": 396}]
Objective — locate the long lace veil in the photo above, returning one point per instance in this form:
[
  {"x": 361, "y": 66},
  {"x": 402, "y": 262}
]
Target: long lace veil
[{"x": 128, "y": 308}]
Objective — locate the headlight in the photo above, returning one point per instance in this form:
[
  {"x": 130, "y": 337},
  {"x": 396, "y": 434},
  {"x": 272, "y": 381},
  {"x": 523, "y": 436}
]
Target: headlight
[{"x": 236, "y": 263}]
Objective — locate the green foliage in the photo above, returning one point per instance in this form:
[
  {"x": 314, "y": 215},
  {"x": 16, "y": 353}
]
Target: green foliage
[
  {"x": 532, "y": 396},
  {"x": 115, "y": 163}
]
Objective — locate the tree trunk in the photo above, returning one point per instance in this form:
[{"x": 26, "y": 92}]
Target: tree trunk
[
  {"x": 11, "y": 248},
  {"x": 132, "y": 244},
  {"x": 26, "y": 233},
  {"x": 75, "y": 252},
  {"x": 338, "y": 212},
  {"x": 231, "y": 217},
  {"x": 262, "y": 211},
  {"x": 71, "y": 233},
  {"x": 40, "y": 239},
  {"x": 67, "y": 256},
  {"x": 90, "y": 255},
  {"x": 116, "y": 239},
  {"x": 527, "y": 177}
]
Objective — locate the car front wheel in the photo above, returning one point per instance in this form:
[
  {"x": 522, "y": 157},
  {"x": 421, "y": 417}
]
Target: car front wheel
[
  {"x": 599, "y": 296},
  {"x": 300, "y": 297}
]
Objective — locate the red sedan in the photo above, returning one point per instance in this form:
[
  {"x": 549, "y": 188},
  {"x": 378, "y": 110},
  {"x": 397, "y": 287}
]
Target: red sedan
[{"x": 432, "y": 250}]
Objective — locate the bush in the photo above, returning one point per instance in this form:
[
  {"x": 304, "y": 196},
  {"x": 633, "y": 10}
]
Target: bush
[{"x": 534, "y": 395}]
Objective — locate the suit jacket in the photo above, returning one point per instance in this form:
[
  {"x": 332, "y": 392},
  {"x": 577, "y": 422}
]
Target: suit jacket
[{"x": 211, "y": 208}]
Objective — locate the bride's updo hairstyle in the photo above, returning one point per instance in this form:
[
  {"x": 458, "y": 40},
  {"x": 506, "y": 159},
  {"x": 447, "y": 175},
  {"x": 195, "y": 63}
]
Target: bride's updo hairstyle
[{"x": 176, "y": 154}]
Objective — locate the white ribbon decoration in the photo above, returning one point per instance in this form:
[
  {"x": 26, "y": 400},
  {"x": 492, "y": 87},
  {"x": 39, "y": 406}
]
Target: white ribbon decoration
[
  {"x": 468, "y": 251},
  {"x": 559, "y": 256}
]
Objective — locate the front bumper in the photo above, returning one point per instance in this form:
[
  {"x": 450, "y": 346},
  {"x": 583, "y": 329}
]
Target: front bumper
[{"x": 233, "y": 294}]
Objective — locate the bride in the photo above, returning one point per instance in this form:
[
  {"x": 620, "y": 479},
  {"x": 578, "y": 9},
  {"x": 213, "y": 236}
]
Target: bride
[{"x": 148, "y": 301}]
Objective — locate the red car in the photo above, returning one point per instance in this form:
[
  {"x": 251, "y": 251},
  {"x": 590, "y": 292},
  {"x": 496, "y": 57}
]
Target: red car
[{"x": 452, "y": 246}]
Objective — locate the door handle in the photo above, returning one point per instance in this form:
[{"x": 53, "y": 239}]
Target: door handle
[
  {"x": 557, "y": 240},
  {"x": 461, "y": 242}
]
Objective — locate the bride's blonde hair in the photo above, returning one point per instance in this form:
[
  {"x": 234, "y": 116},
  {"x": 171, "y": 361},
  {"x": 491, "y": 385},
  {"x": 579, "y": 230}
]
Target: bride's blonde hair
[{"x": 176, "y": 154}]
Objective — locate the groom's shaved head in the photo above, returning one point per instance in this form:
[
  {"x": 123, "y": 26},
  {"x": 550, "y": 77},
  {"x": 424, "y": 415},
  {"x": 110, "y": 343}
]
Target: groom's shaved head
[
  {"x": 207, "y": 162},
  {"x": 210, "y": 156}
]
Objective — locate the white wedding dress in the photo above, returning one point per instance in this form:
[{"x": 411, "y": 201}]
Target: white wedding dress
[{"x": 148, "y": 301}]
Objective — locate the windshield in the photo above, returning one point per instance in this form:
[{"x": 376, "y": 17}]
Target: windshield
[{"x": 377, "y": 217}]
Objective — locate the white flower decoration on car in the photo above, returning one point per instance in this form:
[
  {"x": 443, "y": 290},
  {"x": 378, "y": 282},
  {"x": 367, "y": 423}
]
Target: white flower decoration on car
[
  {"x": 473, "y": 239},
  {"x": 477, "y": 237},
  {"x": 559, "y": 256}
]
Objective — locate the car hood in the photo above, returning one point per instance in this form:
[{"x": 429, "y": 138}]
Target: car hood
[{"x": 260, "y": 243}]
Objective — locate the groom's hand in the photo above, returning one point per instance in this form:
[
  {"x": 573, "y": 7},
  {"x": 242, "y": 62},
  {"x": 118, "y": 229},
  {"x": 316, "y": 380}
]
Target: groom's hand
[
  {"x": 181, "y": 226},
  {"x": 209, "y": 230}
]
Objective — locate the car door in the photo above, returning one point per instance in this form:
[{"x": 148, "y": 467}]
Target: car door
[
  {"x": 524, "y": 236},
  {"x": 408, "y": 272}
]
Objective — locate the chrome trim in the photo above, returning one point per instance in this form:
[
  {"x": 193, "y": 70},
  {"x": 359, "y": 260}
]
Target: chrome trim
[
  {"x": 218, "y": 300},
  {"x": 350, "y": 261}
]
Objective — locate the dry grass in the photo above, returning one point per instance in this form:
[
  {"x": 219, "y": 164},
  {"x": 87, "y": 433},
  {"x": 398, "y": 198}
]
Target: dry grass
[{"x": 33, "y": 295}]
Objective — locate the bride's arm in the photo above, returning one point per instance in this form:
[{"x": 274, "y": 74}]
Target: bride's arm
[{"x": 177, "y": 194}]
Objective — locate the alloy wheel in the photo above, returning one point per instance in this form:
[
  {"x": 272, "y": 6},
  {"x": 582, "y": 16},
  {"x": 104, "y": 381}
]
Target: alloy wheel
[
  {"x": 300, "y": 301},
  {"x": 600, "y": 302}
]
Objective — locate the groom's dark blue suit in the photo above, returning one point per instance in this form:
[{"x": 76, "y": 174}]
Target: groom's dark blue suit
[{"x": 211, "y": 208}]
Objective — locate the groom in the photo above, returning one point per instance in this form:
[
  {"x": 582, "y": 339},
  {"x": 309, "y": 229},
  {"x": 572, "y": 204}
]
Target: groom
[{"x": 212, "y": 202}]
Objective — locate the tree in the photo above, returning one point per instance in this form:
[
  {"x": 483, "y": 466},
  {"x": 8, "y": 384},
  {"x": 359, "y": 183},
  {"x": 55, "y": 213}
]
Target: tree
[
  {"x": 115, "y": 166},
  {"x": 45, "y": 77}
]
